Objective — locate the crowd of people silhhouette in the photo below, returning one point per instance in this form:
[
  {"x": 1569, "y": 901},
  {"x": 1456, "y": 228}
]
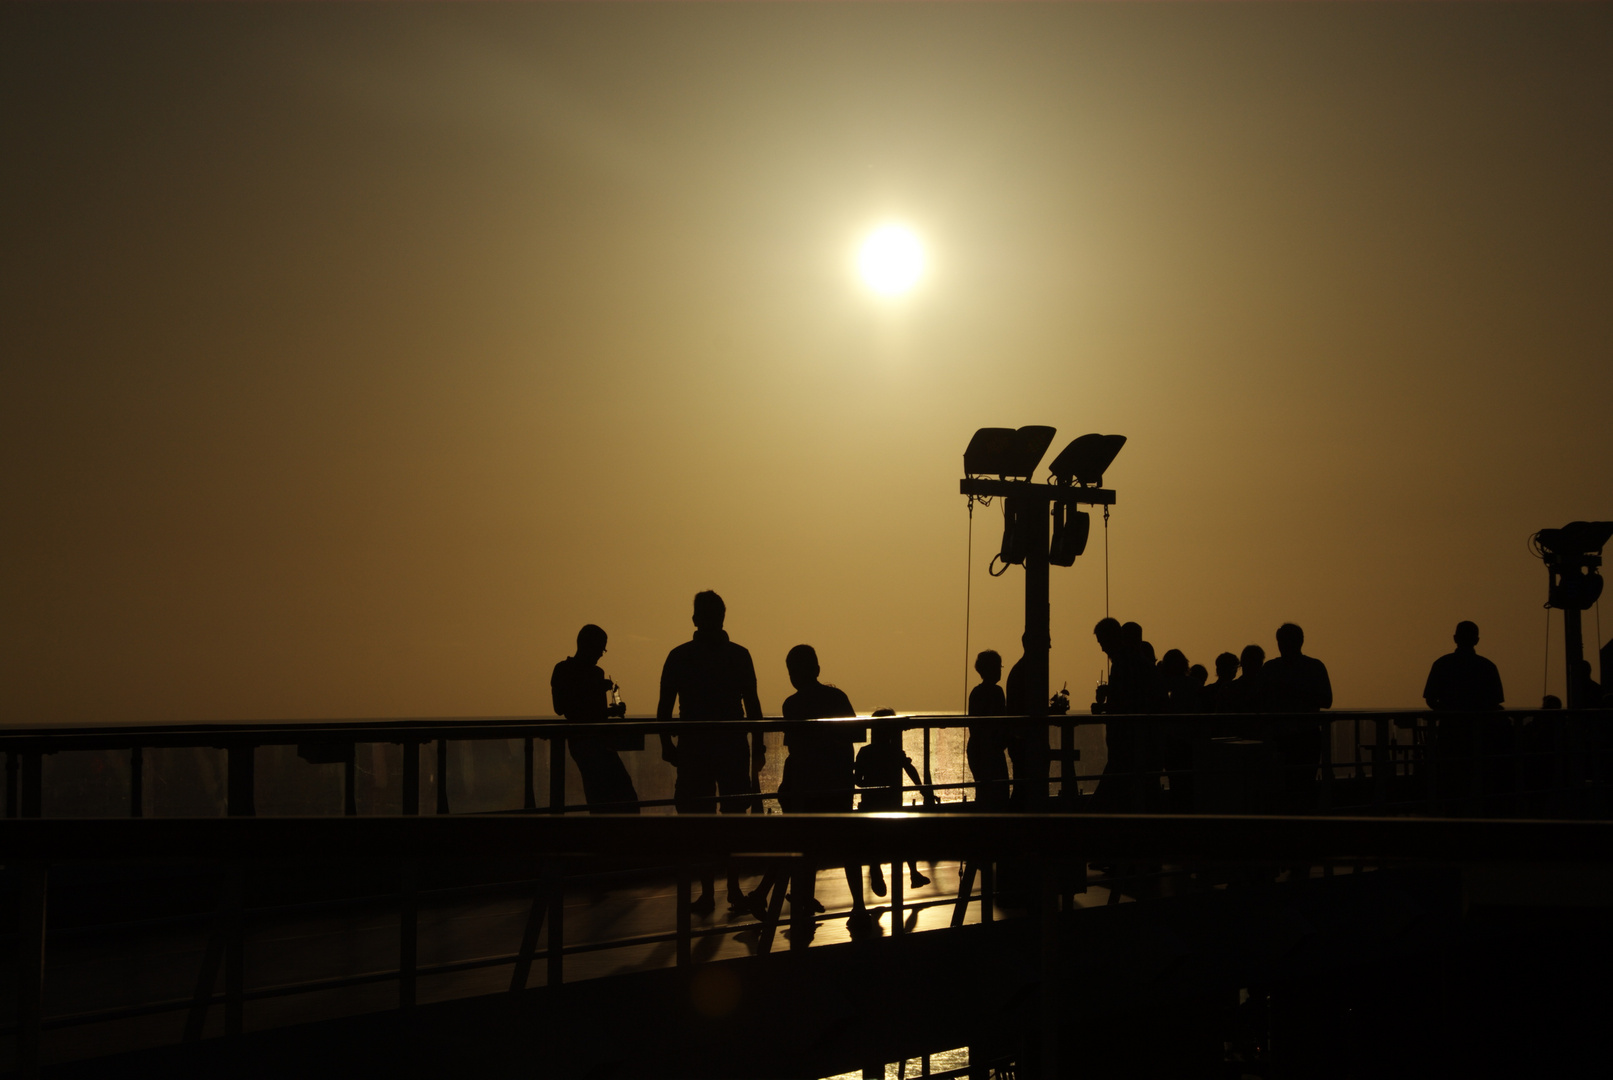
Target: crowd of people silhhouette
[{"x": 1252, "y": 701}]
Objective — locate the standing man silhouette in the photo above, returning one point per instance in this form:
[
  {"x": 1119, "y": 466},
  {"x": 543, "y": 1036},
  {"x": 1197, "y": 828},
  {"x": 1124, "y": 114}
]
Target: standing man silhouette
[
  {"x": 711, "y": 678},
  {"x": 579, "y": 688},
  {"x": 1464, "y": 682},
  {"x": 1296, "y": 683}
]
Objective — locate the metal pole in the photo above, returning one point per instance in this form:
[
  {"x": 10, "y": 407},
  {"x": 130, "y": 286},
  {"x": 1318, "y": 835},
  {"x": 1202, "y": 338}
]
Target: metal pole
[
  {"x": 408, "y": 930},
  {"x": 530, "y": 797},
  {"x": 1038, "y": 635},
  {"x": 411, "y": 777},
  {"x": 442, "y": 776},
  {"x": 32, "y": 784},
  {"x": 240, "y": 766},
  {"x": 557, "y": 775},
  {"x": 1573, "y": 653},
  {"x": 557, "y": 930},
  {"x": 30, "y": 966},
  {"x": 137, "y": 782},
  {"x": 234, "y": 949}
]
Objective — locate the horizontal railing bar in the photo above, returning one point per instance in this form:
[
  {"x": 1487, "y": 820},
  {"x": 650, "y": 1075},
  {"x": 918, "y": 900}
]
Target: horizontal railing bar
[
  {"x": 342, "y": 982},
  {"x": 91, "y": 737},
  {"x": 1207, "y": 837}
]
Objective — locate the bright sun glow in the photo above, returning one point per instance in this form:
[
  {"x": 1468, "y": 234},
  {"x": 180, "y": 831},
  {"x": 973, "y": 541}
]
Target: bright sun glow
[{"x": 891, "y": 260}]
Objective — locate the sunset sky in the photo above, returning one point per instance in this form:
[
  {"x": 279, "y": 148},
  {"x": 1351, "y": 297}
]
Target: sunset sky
[{"x": 354, "y": 357}]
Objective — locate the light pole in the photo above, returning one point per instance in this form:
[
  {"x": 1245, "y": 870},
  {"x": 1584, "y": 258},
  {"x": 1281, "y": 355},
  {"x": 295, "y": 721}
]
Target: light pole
[
  {"x": 1572, "y": 555},
  {"x": 999, "y": 462}
]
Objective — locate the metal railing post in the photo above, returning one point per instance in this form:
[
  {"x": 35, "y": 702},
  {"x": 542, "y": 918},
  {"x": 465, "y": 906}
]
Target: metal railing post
[
  {"x": 1382, "y": 761},
  {"x": 802, "y": 889},
  {"x": 529, "y": 940},
  {"x": 411, "y": 776},
  {"x": 30, "y": 965},
  {"x": 240, "y": 767},
  {"x": 137, "y": 782},
  {"x": 442, "y": 776},
  {"x": 350, "y": 781},
  {"x": 557, "y": 775},
  {"x": 32, "y": 784},
  {"x": 234, "y": 948},
  {"x": 988, "y": 898},
  {"x": 557, "y": 931},
  {"x": 1324, "y": 796},
  {"x": 529, "y": 799},
  {"x": 408, "y": 931},
  {"x": 685, "y": 950},
  {"x": 898, "y": 883}
]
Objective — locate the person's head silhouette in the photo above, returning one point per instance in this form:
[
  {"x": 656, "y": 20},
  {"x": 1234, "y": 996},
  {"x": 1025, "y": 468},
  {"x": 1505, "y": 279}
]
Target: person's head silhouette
[
  {"x": 590, "y": 643},
  {"x": 1467, "y": 634},
  {"x": 709, "y": 611},
  {"x": 989, "y": 665},
  {"x": 1290, "y": 639},
  {"x": 1226, "y": 666},
  {"x": 1198, "y": 675},
  {"x": 1108, "y": 634},
  {"x": 802, "y": 662},
  {"x": 1253, "y": 658},
  {"x": 1173, "y": 665},
  {"x": 1131, "y": 635}
]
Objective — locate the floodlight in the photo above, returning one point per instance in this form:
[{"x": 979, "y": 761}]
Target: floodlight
[
  {"x": 1572, "y": 555},
  {"x": 1071, "y": 527},
  {"x": 1016, "y": 509},
  {"x": 1576, "y": 538},
  {"x": 1005, "y": 452},
  {"x": 988, "y": 451},
  {"x": 1086, "y": 459}
]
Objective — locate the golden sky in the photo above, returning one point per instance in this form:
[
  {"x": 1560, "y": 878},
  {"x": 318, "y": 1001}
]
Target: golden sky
[{"x": 356, "y": 356}]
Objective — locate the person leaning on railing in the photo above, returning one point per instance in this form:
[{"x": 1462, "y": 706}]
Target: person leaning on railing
[{"x": 580, "y": 688}]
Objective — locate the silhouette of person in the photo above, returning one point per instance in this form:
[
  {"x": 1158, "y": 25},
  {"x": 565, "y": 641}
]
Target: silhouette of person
[
  {"x": 1173, "y": 678},
  {"x": 579, "y": 688},
  {"x": 1296, "y": 683},
  {"x": 1463, "y": 681},
  {"x": 1117, "y": 786},
  {"x": 1175, "y": 736},
  {"x": 711, "y": 678},
  {"x": 818, "y": 773},
  {"x": 1196, "y": 702},
  {"x": 1108, "y": 634},
  {"x": 1028, "y": 747},
  {"x": 878, "y": 771},
  {"x": 1247, "y": 695},
  {"x": 987, "y": 745},
  {"x": 1219, "y": 696}
]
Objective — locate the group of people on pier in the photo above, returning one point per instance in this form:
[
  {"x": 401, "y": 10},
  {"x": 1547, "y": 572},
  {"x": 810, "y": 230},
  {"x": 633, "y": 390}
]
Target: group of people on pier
[{"x": 713, "y": 679}]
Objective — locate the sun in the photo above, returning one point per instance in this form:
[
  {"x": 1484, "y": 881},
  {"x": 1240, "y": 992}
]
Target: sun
[{"x": 891, "y": 260}]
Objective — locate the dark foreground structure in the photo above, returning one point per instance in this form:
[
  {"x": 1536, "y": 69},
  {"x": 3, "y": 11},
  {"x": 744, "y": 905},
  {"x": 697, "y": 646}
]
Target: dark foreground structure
[{"x": 1399, "y": 927}]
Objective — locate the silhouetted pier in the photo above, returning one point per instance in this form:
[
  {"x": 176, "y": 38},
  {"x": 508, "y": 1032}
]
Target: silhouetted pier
[{"x": 534, "y": 938}]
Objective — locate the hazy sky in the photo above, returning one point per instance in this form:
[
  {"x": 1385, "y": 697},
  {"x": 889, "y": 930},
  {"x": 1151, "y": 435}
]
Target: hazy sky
[{"x": 354, "y": 357}]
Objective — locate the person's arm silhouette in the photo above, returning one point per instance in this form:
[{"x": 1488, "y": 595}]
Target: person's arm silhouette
[
  {"x": 753, "y": 711},
  {"x": 663, "y": 711}
]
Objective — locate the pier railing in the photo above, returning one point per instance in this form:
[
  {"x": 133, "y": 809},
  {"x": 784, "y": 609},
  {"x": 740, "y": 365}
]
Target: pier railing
[
  {"x": 1534, "y": 763},
  {"x": 1048, "y": 855}
]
